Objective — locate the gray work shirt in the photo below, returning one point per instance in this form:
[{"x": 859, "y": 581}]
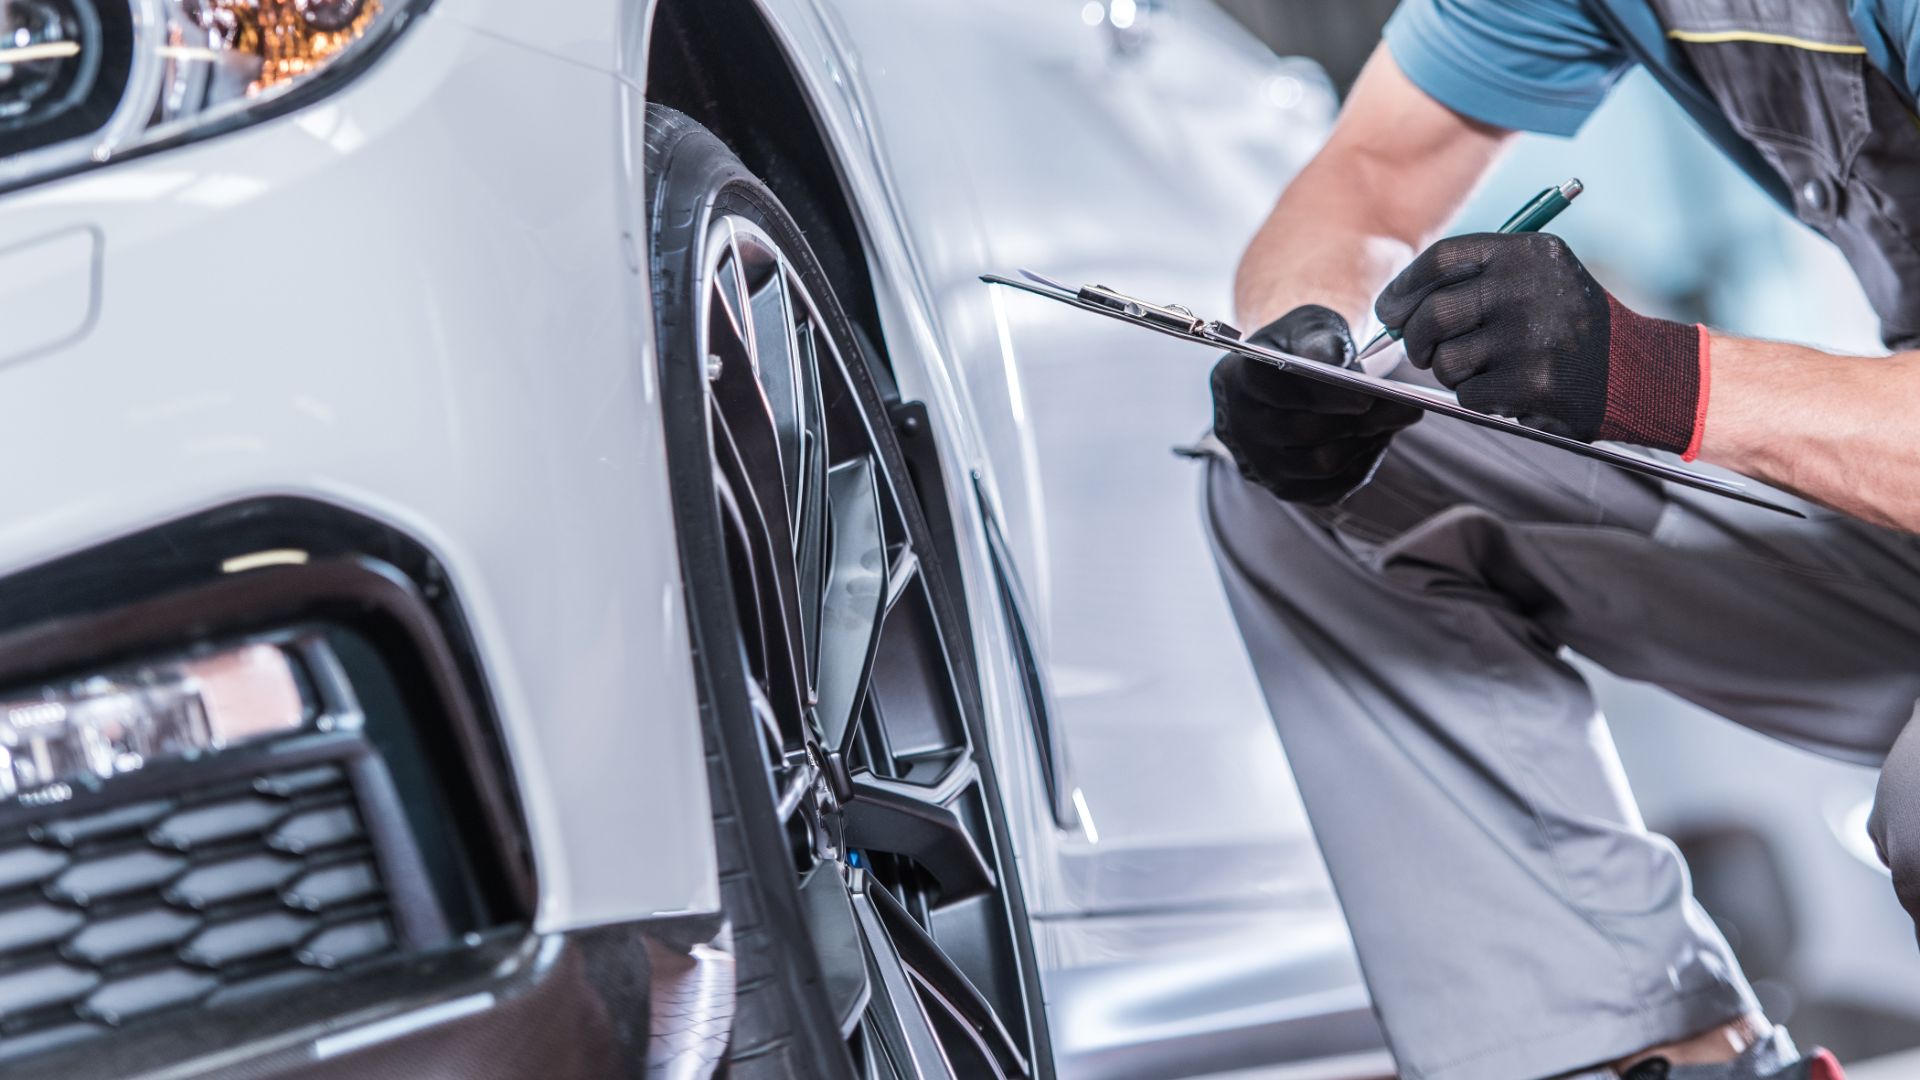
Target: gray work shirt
[{"x": 1813, "y": 98}]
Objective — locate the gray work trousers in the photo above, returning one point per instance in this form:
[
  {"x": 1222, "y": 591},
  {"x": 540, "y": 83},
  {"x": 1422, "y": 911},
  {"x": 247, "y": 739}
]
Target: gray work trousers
[{"x": 1513, "y": 916}]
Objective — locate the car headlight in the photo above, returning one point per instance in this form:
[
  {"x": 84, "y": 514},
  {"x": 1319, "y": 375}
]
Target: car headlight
[
  {"x": 84, "y": 80},
  {"x": 91, "y": 729}
]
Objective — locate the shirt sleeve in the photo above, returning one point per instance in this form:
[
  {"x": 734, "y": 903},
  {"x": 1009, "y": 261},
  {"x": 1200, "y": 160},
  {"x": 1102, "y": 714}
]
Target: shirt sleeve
[
  {"x": 1529, "y": 65},
  {"x": 1898, "y": 49}
]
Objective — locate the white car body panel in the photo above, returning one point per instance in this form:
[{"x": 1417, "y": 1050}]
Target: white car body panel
[{"x": 276, "y": 318}]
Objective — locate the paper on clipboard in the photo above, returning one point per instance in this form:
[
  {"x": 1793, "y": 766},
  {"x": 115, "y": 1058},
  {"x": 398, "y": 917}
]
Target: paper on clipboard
[{"x": 1176, "y": 321}]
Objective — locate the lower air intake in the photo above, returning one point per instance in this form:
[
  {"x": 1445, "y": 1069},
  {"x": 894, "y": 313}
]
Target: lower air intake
[{"x": 256, "y": 884}]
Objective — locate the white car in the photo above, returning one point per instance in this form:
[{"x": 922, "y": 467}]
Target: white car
[{"x": 524, "y": 550}]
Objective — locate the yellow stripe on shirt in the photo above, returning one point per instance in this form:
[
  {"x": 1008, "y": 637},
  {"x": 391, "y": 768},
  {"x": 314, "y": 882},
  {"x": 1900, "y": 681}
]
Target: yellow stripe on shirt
[{"x": 1715, "y": 37}]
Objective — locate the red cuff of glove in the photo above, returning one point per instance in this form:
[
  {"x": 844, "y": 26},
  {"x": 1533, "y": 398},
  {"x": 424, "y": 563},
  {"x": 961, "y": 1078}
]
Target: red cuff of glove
[{"x": 1657, "y": 381}]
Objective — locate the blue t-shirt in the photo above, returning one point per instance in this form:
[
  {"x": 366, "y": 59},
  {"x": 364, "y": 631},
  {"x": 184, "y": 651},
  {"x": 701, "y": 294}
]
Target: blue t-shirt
[{"x": 1545, "y": 65}]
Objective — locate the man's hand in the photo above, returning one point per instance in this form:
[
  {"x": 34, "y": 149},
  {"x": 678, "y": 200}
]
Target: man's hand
[
  {"x": 1302, "y": 440},
  {"x": 1517, "y": 327}
]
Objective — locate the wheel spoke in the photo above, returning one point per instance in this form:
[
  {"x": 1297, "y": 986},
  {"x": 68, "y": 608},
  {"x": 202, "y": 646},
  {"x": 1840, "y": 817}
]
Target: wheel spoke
[
  {"x": 745, "y": 331},
  {"x": 855, "y": 599},
  {"x": 920, "y": 824},
  {"x": 898, "y": 1016},
  {"x": 774, "y": 356},
  {"x": 793, "y": 794},
  {"x": 875, "y": 1059},
  {"x": 828, "y": 904},
  {"x": 977, "y": 1053},
  {"x": 948, "y": 985},
  {"x": 906, "y": 567},
  {"x": 743, "y": 405},
  {"x": 810, "y": 556},
  {"x": 774, "y": 590},
  {"x": 741, "y": 559},
  {"x": 765, "y": 308},
  {"x": 730, "y": 289},
  {"x": 769, "y": 720}
]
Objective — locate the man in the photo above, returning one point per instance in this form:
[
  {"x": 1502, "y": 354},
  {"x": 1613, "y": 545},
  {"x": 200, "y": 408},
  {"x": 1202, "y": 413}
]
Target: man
[{"x": 1406, "y": 589}]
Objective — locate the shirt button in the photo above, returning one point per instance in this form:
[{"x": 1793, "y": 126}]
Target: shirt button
[{"x": 1815, "y": 196}]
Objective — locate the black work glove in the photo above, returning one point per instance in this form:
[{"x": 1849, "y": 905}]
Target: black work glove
[
  {"x": 1306, "y": 442},
  {"x": 1517, "y": 327}
]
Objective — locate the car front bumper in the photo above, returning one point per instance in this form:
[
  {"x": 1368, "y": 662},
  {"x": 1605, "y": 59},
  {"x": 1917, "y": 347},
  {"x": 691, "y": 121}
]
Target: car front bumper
[{"x": 421, "y": 298}]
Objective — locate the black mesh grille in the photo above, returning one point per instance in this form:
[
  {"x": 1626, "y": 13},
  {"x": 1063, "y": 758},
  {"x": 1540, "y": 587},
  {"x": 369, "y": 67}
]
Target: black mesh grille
[{"x": 256, "y": 885}]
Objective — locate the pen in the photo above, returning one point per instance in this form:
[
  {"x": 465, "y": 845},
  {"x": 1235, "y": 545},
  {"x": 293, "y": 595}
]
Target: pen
[{"x": 1533, "y": 217}]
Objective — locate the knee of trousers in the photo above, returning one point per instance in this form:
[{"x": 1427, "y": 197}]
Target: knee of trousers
[
  {"x": 1457, "y": 551},
  {"x": 1294, "y": 549},
  {"x": 1895, "y": 821}
]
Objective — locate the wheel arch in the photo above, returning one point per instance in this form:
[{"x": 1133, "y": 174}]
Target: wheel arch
[{"x": 722, "y": 62}]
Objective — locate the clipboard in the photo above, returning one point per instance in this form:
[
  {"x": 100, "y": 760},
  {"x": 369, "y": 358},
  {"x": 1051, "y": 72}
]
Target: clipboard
[{"x": 1176, "y": 321}]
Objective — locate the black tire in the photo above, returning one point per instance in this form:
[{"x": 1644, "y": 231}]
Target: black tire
[{"x": 783, "y": 1025}]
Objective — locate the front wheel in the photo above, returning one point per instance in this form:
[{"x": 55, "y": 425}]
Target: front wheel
[{"x": 865, "y": 870}]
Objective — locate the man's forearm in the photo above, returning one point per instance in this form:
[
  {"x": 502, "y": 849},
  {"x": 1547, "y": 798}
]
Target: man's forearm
[
  {"x": 1324, "y": 244},
  {"x": 1839, "y": 430},
  {"x": 1393, "y": 173}
]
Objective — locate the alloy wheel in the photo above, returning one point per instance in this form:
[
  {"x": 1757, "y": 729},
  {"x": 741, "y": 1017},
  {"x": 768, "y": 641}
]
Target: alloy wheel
[{"x": 854, "y": 690}]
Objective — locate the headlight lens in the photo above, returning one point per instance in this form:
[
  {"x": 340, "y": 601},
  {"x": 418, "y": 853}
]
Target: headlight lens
[
  {"x": 58, "y": 77},
  {"x": 84, "y": 80},
  {"x": 99, "y": 726}
]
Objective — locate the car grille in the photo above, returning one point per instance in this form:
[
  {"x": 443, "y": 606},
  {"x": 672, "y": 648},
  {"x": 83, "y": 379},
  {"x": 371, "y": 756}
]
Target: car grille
[{"x": 253, "y": 885}]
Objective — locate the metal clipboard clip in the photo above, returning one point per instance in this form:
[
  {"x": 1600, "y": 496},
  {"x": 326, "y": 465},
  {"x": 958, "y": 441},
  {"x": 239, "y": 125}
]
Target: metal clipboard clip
[
  {"x": 1174, "y": 317},
  {"x": 1178, "y": 321}
]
